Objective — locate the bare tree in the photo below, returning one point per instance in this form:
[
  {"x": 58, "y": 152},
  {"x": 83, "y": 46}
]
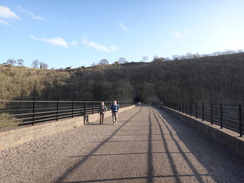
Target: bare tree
[
  {"x": 155, "y": 57},
  {"x": 35, "y": 64},
  {"x": 103, "y": 62},
  {"x": 43, "y": 65},
  {"x": 158, "y": 59},
  {"x": 122, "y": 60},
  {"x": 176, "y": 57},
  {"x": 20, "y": 62},
  {"x": 10, "y": 62},
  {"x": 189, "y": 55},
  {"x": 144, "y": 59}
]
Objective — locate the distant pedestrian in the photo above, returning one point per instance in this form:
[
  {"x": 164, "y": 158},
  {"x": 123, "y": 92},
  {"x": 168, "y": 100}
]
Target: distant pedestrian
[
  {"x": 161, "y": 105},
  {"x": 115, "y": 108},
  {"x": 102, "y": 109}
]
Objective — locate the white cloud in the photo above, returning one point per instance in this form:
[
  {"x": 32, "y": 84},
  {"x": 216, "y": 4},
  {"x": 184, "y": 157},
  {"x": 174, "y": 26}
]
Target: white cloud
[
  {"x": 5, "y": 23},
  {"x": 33, "y": 37},
  {"x": 74, "y": 43},
  {"x": 122, "y": 26},
  {"x": 113, "y": 47},
  {"x": 177, "y": 35},
  {"x": 36, "y": 17},
  {"x": 98, "y": 46},
  {"x": 57, "y": 41},
  {"x": 6, "y": 13},
  {"x": 181, "y": 34}
]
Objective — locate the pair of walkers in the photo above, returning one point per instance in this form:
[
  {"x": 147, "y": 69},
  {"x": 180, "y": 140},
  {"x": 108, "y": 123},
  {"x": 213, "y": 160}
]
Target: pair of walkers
[{"x": 114, "y": 108}]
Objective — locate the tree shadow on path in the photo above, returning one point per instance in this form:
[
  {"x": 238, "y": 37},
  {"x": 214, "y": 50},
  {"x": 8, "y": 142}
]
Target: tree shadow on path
[
  {"x": 221, "y": 163},
  {"x": 85, "y": 158}
]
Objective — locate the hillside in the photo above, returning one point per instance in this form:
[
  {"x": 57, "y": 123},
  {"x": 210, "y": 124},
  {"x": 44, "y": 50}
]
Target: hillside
[{"x": 217, "y": 79}]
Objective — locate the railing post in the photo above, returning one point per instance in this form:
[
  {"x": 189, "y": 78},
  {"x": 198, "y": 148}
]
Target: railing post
[
  {"x": 72, "y": 108},
  {"x": 221, "y": 116},
  {"x": 92, "y": 107},
  {"x": 84, "y": 108},
  {"x": 190, "y": 109},
  {"x": 57, "y": 110},
  {"x": 183, "y": 107},
  {"x": 240, "y": 120},
  {"x": 211, "y": 118},
  {"x": 33, "y": 111},
  {"x": 196, "y": 110},
  {"x": 202, "y": 111},
  {"x": 186, "y": 108}
]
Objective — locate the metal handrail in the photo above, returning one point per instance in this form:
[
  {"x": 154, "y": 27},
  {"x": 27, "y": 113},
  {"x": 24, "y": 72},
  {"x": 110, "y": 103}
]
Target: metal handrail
[
  {"x": 230, "y": 117},
  {"x": 26, "y": 112}
]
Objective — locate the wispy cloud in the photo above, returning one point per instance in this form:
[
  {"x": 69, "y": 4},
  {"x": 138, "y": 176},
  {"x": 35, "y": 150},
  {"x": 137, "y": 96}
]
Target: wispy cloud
[
  {"x": 5, "y": 23},
  {"x": 98, "y": 46},
  {"x": 180, "y": 34},
  {"x": 57, "y": 41},
  {"x": 177, "y": 35},
  {"x": 74, "y": 43},
  {"x": 7, "y": 14},
  {"x": 36, "y": 17},
  {"x": 123, "y": 27}
]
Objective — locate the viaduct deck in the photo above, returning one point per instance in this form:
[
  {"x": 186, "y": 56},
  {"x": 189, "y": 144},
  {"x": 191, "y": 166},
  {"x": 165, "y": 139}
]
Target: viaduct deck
[{"x": 146, "y": 145}]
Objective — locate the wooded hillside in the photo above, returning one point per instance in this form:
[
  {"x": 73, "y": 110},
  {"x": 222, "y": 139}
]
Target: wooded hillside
[{"x": 217, "y": 79}]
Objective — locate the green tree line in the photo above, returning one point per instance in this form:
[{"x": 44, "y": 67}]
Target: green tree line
[{"x": 213, "y": 79}]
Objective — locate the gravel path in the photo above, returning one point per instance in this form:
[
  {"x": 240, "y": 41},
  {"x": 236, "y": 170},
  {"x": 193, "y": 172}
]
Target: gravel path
[{"x": 146, "y": 145}]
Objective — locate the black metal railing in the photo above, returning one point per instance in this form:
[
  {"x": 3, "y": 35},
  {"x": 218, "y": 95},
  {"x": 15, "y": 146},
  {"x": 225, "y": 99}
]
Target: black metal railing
[
  {"x": 26, "y": 112},
  {"x": 230, "y": 117}
]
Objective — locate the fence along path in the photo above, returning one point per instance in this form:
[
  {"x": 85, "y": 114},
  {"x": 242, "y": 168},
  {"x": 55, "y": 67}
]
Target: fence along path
[{"x": 146, "y": 145}]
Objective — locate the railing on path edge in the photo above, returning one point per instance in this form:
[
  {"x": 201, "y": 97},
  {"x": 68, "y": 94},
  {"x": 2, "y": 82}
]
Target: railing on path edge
[
  {"x": 29, "y": 112},
  {"x": 229, "y": 117}
]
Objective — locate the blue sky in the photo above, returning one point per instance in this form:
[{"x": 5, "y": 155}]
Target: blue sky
[{"x": 63, "y": 33}]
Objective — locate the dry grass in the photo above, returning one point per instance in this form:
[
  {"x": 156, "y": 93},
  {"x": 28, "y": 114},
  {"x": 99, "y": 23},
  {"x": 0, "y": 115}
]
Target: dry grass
[{"x": 7, "y": 121}]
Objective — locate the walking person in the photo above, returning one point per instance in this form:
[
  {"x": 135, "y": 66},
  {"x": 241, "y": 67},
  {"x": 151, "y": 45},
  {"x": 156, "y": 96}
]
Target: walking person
[
  {"x": 102, "y": 109},
  {"x": 115, "y": 108}
]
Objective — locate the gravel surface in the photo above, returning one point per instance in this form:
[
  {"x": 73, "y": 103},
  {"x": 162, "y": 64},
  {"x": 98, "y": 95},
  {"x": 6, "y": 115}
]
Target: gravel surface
[{"x": 146, "y": 145}]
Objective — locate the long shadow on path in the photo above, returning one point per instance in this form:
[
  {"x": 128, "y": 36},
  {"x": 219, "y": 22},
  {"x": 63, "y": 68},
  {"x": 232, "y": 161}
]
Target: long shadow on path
[
  {"x": 222, "y": 164},
  {"x": 85, "y": 158}
]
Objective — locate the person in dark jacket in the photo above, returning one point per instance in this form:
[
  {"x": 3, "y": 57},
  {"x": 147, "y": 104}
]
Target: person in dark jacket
[{"x": 115, "y": 108}]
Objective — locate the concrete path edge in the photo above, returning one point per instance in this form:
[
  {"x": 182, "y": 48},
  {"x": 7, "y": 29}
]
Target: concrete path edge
[
  {"x": 20, "y": 135},
  {"x": 223, "y": 136}
]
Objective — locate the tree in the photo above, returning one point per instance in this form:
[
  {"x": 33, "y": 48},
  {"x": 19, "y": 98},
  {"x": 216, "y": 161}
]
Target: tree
[
  {"x": 122, "y": 60},
  {"x": 155, "y": 56},
  {"x": 20, "y": 62},
  {"x": 35, "y": 64},
  {"x": 43, "y": 65},
  {"x": 176, "y": 57},
  {"x": 103, "y": 62},
  {"x": 10, "y": 62},
  {"x": 144, "y": 59},
  {"x": 158, "y": 59}
]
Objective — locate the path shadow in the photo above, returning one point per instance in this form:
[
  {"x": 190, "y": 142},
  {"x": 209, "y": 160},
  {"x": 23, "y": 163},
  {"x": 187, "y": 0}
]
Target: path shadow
[
  {"x": 85, "y": 158},
  {"x": 222, "y": 164}
]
